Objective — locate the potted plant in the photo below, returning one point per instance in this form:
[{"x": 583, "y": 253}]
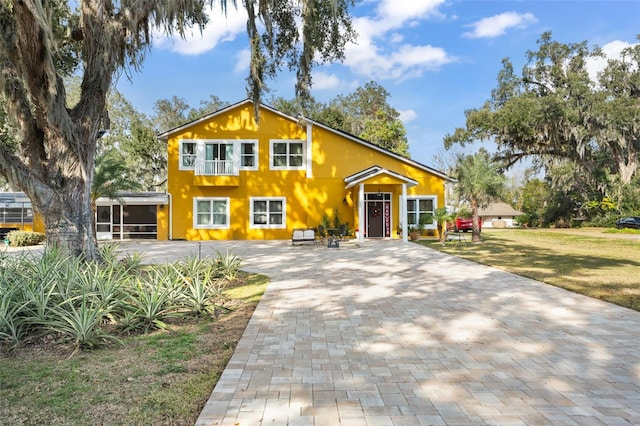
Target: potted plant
[
  {"x": 414, "y": 234},
  {"x": 416, "y": 231}
]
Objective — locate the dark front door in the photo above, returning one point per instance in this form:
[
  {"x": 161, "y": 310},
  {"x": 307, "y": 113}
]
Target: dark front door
[{"x": 375, "y": 218}]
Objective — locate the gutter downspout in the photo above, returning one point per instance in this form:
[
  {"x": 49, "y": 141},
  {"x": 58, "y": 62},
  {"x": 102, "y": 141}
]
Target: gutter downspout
[{"x": 170, "y": 233}]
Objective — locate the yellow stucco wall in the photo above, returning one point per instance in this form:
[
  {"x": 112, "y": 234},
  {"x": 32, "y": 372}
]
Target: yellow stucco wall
[{"x": 334, "y": 157}]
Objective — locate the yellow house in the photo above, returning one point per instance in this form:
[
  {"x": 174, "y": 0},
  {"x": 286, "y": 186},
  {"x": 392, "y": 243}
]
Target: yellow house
[
  {"x": 230, "y": 178},
  {"x": 16, "y": 213}
]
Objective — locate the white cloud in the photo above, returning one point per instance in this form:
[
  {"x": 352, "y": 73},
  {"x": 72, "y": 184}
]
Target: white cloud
[
  {"x": 396, "y": 38},
  {"x": 611, "y": 50},
  {"x": 378, "y": 53},
  {"x": 243, "y": 59},
  {"x": 498, "y": 25},
  {"x": 324, "y": 81},
  {"x": 396, "y": 15},
  {"x": 408, "y": 115},
  {"x": 220, "y": 28}
]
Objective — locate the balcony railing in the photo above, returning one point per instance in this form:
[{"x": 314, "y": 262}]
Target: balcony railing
[{"x": 216, "y": 168}]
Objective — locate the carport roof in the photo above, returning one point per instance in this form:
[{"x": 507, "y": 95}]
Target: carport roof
[{"x": 136, "y": 198}]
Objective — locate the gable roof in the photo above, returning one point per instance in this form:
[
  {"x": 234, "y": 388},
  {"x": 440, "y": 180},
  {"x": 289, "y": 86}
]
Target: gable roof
[
  {"x": 498, "y": 209},
  {"x": 376, "y": 171},
  {"x": 166, "y": 135}
]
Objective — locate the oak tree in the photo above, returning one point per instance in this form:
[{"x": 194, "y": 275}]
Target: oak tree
[
  {"x": 555, "y": 110},
  {"x": 51, "y": 155}
]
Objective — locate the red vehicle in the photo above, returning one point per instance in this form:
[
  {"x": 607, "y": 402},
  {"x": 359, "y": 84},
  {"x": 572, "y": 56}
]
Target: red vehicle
[{"x": 465, "y": 224}]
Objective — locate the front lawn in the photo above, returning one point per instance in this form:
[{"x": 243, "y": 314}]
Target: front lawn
[
  {"x": 163, "y": 377},
  {"x": 591, "y": 261}
]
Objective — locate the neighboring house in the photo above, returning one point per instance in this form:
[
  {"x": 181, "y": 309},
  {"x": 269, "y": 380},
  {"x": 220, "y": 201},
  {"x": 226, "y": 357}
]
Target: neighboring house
[
  {"x": 498, "y": 215},
  {"x": 131, "y": 215},
  {"x": 16, "y": 213},
  {"x": 230, "y": 178}
]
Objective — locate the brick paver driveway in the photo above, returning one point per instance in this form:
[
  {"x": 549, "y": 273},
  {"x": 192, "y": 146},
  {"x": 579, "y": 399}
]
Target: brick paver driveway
[{"x": 398, "y": 334}]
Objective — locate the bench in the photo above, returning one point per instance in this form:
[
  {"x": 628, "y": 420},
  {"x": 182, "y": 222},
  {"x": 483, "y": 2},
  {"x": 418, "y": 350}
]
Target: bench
[{"x": 302, "y": 235}]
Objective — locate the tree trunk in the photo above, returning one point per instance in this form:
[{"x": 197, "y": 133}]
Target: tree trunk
[
  {"x": 71, "y": 230},
  {"x": 475, "y": 229},
  {"x": 68, "y": 218}
]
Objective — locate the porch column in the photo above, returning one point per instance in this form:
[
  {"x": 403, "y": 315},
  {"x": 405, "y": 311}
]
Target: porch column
[
  {"x": 361, "y": 222},
  {"x": 403, "y": 209}
]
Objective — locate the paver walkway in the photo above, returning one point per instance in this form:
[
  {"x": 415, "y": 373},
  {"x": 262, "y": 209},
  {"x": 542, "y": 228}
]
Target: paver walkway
[{"x": 398, "y": 334}]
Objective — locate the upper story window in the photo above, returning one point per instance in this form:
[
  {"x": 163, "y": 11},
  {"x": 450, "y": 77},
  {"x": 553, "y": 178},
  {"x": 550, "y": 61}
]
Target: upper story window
[
  {"x": 268, "y": 212},
  {"x": 187, "y": 155},
  {"x": 218, "y": 157},
  {"x": 249, "y": 155},
  {"x": 288, "y": 154},
  {"x": 418, "y": 207},
  {"x": 211, "y": 213}
]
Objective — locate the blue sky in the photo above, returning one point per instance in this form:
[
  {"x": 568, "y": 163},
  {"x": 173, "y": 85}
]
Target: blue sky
[{"x": 437, "y": 58}]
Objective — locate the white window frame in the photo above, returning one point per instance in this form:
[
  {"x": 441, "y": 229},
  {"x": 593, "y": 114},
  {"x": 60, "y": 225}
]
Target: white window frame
[
  {"x": 181, "y": 165},
  {"x": 303, "y": 154},
  {"x": 282, "y": 225},
  {"x": 211, "y": 226},
  {"x": 253, "y": 142},
  {"x": 236, "y": 158},
  {"x": 417, "y": 199}
]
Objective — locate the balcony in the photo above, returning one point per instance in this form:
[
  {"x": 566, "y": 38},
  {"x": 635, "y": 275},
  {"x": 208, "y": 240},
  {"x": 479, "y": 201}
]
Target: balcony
[
  {"x": 216, "y": 173},
  {"x": 216, "y": 168}
]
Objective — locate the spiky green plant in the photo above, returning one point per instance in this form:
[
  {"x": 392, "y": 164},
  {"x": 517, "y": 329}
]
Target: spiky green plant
[
  {"x": 151, "y": 301},
  {"x": 12, "y": 325},
  {"x": 106, "y": 284},
  {"x": 228, "y": 264},
  {"x": 202, "y": 292},
  {"x": 109, "y": 253},
  {"x": 79, "y": 321},
  {"x": 132, "y": 262}
]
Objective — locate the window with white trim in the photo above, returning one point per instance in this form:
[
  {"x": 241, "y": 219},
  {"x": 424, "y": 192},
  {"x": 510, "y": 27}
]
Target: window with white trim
[
  {"x": 216, "y": 157},
  {"x": 211, "y": 213},
  {"x": 187, "y": 155},
  {"x": 268, "y": 212},
  {"x": 288, "y": 154},
  {"x": 249, "y": 155},
  {"x": 419, "y": 206}
]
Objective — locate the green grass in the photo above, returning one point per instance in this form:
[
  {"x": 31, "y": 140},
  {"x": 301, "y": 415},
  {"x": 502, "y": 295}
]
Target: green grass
[
  {"x": 251, "y": 293},
  {"x": 161, "y": 378},
  {"x": 592, "y": 261}
]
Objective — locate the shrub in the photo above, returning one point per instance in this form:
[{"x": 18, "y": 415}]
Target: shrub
[
  {"x": 25, "y": 238},
  {"x": 58, "y": 298},
  {"x": 603, "y": 221}
]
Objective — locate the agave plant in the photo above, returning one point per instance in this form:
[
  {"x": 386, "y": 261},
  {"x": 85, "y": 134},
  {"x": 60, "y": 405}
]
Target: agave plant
[
  {"x": 151, "y": 301},
  {"x": 106, "y": 285},
  {"x": 12, "y": 325},
  {"x": 79, "y": 321},
  {"x": 132, "y": 262},
  {"x": 228, "y": 264},
  {"x": 200, "y": 292},
  {"x": 109, "y": 253}
]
